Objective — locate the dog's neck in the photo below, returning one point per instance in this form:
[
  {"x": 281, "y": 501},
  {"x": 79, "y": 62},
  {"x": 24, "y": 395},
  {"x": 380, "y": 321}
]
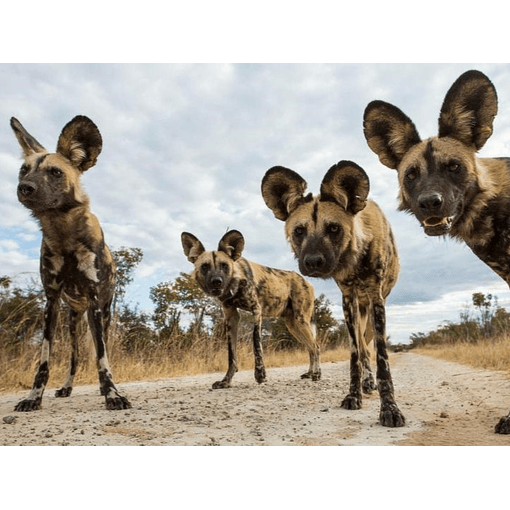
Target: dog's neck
[{"x": 64, "y": 231}]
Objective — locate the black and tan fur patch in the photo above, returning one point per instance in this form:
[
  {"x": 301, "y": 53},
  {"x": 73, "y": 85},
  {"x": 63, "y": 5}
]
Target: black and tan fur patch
[
  {"x": 442, "y": 181},
  {"x": 76, "y": 264},
  {"x": 341, "y": 234},
  {"x": 238, "y": 284}
]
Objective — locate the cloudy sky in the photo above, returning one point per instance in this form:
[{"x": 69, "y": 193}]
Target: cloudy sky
[{"x": 185, "y": 147}]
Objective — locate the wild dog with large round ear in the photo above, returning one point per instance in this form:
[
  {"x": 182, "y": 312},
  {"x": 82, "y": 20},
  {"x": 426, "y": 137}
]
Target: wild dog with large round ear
[
  {"x": 442, "y": 181},
  {"x": 341, "y": 234},
  {"x": 76, "y": 264},
  {"x": 238, "y": 284}
]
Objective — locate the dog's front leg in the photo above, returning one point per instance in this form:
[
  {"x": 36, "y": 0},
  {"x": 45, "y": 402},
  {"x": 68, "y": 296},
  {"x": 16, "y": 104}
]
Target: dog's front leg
[
  {"x": 351, "y": 313},
  {"x": 231, "y": 323},
  {"x": 114, "y": 400},
  {"x": 51, "y": 314},
  {"x": 390, "y": 415}
]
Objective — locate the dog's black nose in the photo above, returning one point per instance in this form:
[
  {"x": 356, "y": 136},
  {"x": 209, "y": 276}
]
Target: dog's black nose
[
  {"x": 314, "y": 262},
  {"x": 430, "y": 201},
  {"x": 216, "y": 282},
  {"x": 26, "y": 189}
]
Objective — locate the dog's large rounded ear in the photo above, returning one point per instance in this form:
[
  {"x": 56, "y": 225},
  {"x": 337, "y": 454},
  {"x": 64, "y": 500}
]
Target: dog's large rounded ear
[
  {"x": 232, "y": 243},
  {"x": 389, "y": 132},
  {"x": 282, "y": 191},
  {"x": 348, "y": 185},
  {"x": 80, "y": 142},
  {"x": 192, "y": 247},
  {"x": 28, "y": 143},
  {"x": 469, "y": 109}
]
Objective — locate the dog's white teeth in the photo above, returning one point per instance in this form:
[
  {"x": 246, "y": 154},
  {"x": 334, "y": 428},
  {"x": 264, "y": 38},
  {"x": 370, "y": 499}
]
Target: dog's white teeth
[{"x": 439, "y": 222}]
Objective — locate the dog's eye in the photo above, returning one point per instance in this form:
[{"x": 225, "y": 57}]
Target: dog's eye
[
  {"x": 299, "y": 231},
  {"x": 224, "y": 267},
  {"x": 333, "y": 228},
  {"x": 23, "y": 170},
  {"x": 204, "y": 268},
  {"x": 453, "y": 166},
  {"x": 412, "y": 174},
  {"x": 56, "y": 172}
]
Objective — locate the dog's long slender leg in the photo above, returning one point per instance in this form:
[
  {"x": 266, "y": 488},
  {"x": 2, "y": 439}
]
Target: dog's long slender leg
[
  {"x": 114, "y": 400},
  {"x": 51, "y": 314},
  {"x": 231, "y": 322},
  {"x": 350, "y": 306},
  {"x": 390, "y": 415},
  {"x": 260, "y": 369},
  {"x": 74, "y": 322}
]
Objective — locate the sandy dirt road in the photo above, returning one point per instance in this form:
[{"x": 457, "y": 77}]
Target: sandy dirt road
[{"x": 444, "y": 404}]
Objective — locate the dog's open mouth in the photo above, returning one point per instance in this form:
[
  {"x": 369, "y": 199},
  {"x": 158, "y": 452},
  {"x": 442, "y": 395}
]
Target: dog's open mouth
[{"x": 435, "y": 226}]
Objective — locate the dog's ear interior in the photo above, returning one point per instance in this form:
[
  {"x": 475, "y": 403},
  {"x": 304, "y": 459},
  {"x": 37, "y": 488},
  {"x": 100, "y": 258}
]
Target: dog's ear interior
[
  {"x": 80, "y": 142},
  {"x": 389, "y": 132},
  {"x": 283, "y": 190},
  {"x": 346, "y": 184},
  {"x": 192, "y": 247},
  {"x": 232, "y": 243},
  {"x": 469, "y": 109},
  {"x": 28, "y": 143}
]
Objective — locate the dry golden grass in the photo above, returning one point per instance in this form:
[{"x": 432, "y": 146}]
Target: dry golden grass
[
  {"x": 493, "y": 353},
  {"x": 205, "y": 356}
]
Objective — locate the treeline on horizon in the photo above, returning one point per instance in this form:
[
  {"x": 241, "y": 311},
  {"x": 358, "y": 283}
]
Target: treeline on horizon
[{"x": 182, "y": 315}]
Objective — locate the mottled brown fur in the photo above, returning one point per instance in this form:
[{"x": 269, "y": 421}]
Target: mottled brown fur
[
  {"x": 239, "y": 284},
  {"x": 442, "y": 181},
  {"x": 340, "y": 234},
  {"x": 76, "y": 264}
]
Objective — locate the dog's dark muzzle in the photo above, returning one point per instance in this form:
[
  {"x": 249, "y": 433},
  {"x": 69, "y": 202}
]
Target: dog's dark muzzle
[
  {"x": 26, "y": 189},
  {"x": 215, "y": 285}
]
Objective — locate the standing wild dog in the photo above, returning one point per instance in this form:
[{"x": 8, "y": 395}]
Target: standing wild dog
[
  {"x": 442, "y": 181},
  {"x": 340, "y": 234},
  {"x": 76, "y": 265},
  {"x": 239, "y": 284}
]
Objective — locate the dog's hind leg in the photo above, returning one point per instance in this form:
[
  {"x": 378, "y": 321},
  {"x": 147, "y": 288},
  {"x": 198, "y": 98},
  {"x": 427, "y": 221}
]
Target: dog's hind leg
[
  {"x": 260, "y": 369},
  {"x": 75, "y": 334},
  {"x": 231, "y": 323},
  {"x": 367, "y": 334},
  {"x": 51, "y": 314},
  {"x": 305, "y": 333}
]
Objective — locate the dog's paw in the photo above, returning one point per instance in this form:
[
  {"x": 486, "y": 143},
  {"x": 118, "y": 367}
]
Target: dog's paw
[
  {"x": 391, "y": 416},
  {"x": 351, "y": 402},
  {"x": 503, "y": 426},
  {"x": 221, "y": 384},
  {"x": 64, "y": 392},
  {"x": 28, "y": 405},
  {"x": 260, "y": 375},
  {"x": 314, "y": 376},
  {"x": 369, "y": 385},
  {"x": 117, "y": 402}
]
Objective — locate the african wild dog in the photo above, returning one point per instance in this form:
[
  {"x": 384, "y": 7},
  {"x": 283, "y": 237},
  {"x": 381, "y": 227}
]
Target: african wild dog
[
  {"x": 442, "y": 181},
  {"x": 239, "y": 284},
  {"x": 76, "y": 265},
  {"x": 340, "y": 234}
]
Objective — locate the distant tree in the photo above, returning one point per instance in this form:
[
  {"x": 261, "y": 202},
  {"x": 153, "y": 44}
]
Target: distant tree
[
  {"x": 126, "y": 260},
  {"x": 5, "y": 282},
  {"x": 136, "y": 330},
  {"x": 182, "y": 295},
  {"x": 21, "y": 313}
]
